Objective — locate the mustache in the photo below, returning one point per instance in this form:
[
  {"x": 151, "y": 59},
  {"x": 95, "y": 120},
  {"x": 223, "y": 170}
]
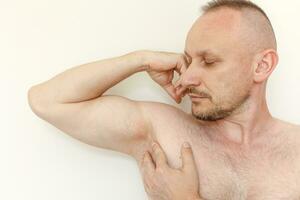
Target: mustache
[{"x": 200, "y": 93}]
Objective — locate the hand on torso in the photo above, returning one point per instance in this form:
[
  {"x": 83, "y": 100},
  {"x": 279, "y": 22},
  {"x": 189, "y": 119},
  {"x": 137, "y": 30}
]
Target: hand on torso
[{"x": 270, "y": 171}]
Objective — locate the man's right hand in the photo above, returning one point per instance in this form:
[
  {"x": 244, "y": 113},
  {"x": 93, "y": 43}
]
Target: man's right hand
[{"x": 161, "y": 66}]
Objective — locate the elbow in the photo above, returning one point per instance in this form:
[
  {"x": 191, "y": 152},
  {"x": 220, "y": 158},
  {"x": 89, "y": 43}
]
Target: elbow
[{"x": 35, "y": 101}]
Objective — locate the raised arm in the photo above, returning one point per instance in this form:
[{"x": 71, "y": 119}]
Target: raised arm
[{"x": 73, "y": 102}]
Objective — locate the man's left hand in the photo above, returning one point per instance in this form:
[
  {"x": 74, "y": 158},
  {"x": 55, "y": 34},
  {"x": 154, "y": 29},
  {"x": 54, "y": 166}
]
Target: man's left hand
[{"x": 164, "y": 183}]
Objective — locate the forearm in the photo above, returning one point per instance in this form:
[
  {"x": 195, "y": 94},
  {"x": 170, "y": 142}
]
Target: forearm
[{"x": 90, "y": 80}]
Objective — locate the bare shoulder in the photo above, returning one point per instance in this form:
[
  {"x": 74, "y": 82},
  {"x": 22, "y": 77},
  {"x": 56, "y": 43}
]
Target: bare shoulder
[
  {"x": 289, "y": 127},
  {"x": 162, "y": 116},
  {"x": 293, "y": 131},
  {"x": 156, "y": 110},
  {"x": 166, "y": 117},
  {"x": 159, "y": 116},
  {"x": 290, "y": 135}
]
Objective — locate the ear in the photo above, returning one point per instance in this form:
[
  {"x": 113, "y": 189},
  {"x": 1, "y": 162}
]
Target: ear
[{"x": 265, "y": 64}]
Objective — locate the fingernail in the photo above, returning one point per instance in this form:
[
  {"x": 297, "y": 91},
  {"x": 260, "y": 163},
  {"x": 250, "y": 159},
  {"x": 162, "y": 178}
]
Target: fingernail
[
  {"x": 144, "y": 156},
  {"x": 154, "y": 145},
  {"x": 186, "y": 145}
]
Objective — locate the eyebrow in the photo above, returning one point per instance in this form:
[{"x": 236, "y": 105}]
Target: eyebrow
[{"x": 201, "y": 53}]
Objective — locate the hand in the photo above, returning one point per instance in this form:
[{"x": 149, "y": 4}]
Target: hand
[
  {"x": 161, "y": 66},
  {"x": 164, "y": 183}
]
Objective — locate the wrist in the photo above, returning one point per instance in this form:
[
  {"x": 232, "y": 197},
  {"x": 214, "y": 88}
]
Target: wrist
[{"x": 139, "y": 57}]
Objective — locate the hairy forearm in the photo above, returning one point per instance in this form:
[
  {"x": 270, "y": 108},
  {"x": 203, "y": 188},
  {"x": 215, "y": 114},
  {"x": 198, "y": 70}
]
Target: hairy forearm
[{"x": 91, "y": 80}]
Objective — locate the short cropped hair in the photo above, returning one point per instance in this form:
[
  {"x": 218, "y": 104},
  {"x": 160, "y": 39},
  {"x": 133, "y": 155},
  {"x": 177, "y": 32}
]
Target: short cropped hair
[{"x": 237, "y": 5}]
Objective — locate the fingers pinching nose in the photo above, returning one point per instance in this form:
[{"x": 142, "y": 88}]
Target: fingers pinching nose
[
  {"x": 181, "y": 91},
  {"x": 177, "y": 83}
]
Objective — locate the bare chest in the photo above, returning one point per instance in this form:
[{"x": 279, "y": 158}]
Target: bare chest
[{"x": 266, "y": 174}]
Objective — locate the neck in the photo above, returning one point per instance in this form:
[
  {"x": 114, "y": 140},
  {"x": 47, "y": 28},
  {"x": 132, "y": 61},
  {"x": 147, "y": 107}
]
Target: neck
[{"x": 246, "y": 124}]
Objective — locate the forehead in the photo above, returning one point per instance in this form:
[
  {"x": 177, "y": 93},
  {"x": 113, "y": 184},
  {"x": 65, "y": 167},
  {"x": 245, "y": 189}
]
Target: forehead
[{"x": 216, "y": 31}]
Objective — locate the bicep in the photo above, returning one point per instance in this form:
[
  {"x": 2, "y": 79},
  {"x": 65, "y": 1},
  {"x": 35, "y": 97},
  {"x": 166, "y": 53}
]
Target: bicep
[{"x": 111, "y": 122}]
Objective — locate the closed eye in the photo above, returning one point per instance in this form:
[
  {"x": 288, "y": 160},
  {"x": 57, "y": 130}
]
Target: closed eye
[{"x": 209, "y": 62}]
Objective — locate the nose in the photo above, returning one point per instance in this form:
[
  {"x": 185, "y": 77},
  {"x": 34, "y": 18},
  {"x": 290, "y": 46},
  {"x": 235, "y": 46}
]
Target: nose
[{"x": 190, "y": 78}]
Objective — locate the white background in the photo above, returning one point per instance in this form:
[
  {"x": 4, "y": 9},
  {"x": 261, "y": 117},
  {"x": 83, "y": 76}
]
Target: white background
[{"x": 41, "y": 38}]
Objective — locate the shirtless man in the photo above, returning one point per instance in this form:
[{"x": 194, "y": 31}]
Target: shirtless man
[{"x": 241, "y": 152}]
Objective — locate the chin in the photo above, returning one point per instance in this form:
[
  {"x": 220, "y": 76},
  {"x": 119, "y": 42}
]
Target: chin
[{"x": 208, "y": 113}]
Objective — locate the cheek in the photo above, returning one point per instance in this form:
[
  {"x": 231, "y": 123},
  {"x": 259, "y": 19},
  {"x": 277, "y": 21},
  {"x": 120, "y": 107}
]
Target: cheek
[
  {"x": 229, "y": 80},
  {"x": 237, "y": 74},
  {"x": 230, "y": 85}
]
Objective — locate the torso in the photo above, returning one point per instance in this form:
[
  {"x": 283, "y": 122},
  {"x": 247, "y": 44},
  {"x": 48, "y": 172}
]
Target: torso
[{"x": 269, "y": 171}]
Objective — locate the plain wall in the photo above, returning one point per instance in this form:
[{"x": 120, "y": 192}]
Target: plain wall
[{"x": 41, "y": 38}]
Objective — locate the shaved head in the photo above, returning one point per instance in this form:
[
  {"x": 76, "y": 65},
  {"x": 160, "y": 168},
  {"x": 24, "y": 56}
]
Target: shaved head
[
  {"x": 258, "y": 30},
  {"x": 231, "y": 51},
  {"x": 256, "y": 27}
]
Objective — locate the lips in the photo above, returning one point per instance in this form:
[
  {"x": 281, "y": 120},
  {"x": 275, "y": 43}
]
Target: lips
[{"x": 196, "y": 96}]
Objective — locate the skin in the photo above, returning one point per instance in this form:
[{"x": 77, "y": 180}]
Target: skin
[
  {"x": 241, "y": 152},
  {"x": 238, "y": 113},
  {"x": 234, "y": 109},
  {"x": 162, "y": 182}
]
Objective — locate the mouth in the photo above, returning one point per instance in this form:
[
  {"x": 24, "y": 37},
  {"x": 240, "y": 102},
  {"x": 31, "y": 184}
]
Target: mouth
[{"x": 197, "y": 96}]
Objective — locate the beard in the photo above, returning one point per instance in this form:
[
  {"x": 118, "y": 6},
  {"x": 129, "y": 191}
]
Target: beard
[{"x": 221, "y": 109}]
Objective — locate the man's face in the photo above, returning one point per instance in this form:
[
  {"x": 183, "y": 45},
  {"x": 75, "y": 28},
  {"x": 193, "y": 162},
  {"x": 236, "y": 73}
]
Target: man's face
[{"x": 220, "y": 65}]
